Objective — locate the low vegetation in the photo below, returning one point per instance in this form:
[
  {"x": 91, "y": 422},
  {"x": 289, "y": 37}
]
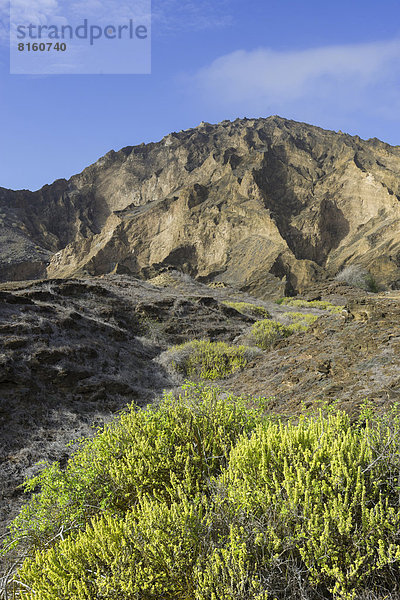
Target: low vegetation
[
  {"x": 301, "y": 320},
  {"x": 201, "y": 359},
  {"x": 217, "y": 284},
  {"x": 359, "y": 277},
  {"x": 204, "y": 498},
  {"x": 267, "y": 332},
  {"x": 247, "y": 308},
  {"x": 144, "y": 451},
  {"x": 320, "y": 304}
]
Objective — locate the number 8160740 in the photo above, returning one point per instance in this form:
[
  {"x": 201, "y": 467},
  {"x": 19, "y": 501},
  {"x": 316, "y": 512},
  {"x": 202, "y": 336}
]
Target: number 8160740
[{"x": 42, "y": 47}]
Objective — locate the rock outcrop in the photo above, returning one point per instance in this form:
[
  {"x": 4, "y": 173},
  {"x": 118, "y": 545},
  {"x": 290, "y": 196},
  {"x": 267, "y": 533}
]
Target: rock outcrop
[{"x": 270, "y": 206}]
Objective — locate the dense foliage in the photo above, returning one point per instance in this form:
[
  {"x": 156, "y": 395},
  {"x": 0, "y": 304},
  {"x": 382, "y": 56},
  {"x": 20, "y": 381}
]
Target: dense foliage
[
  {"x": 177, "y": 444},
  {"x": 300, "y": 321},
  {"x": 267, "y": 332},
  {"x": 204, "y": 498}
]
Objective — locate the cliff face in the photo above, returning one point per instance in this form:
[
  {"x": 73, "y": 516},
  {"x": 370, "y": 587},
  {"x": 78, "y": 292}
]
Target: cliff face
[{"x": 267, "y": 205}]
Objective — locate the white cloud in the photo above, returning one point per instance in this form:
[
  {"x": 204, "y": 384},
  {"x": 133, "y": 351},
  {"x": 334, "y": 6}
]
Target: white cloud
[
  {"x": 37, "y": 12},
  {"x": 338, "y": 75}
]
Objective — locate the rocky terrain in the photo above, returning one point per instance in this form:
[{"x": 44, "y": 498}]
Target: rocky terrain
[
  {"x": 268, "y": 205},
  {"x": 75, "y": 352},
  {"x": 343, "y": 359}
]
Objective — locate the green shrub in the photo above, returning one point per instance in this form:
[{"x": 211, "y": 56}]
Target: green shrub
[
  {"x": 153, "y": 451},
  {"x": 200, "y": 359},
  {"x": 249, "y": 309},
  {"x": 231, "y": 571},
  {"x": 326, "y": 499},
  {"x": 306, "y": 510},
  {"x": 149, "y": 554},
  {"x": 300, "y": 321},
  {"x": 267, "y": 332},
  {"x": 304, "y": 318},
  {"x": 156, "y": 551}
]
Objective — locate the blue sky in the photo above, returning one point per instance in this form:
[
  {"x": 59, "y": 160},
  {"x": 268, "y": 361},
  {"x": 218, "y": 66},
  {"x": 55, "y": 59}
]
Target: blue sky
[{"x": 332, "y": 64}]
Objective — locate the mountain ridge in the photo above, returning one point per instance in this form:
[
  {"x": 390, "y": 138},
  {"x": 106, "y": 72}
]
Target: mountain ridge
[{"x": 269, "y": 205}]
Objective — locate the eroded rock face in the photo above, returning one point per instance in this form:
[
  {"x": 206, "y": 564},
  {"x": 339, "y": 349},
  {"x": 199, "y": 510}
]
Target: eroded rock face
[{"x": 268, "y": 205}]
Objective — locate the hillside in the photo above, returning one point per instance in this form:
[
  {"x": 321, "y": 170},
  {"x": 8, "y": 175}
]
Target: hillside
[{"x": 76, "y": 351}]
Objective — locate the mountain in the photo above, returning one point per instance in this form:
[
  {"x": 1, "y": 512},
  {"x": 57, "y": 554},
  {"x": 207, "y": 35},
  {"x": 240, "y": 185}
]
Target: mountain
[{"x": 270, "y": 206}]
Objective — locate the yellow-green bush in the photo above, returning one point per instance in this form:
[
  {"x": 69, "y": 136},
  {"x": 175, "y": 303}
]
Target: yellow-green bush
[
  {"x": 300, "y": 321},
  {"x": 323, "y": 502},
  {"x": 249, "y": 309},
  {"x": 231, "y": 572},
  {"x": 305, "y": 318},
  {"x": 156, "y": 551},
  {"x": 269, "y": 510},
  {"x": 200, "y": 359},
  {"x": 321, "y": 304},
  {"x": 154, "y": 451},
  {"x": 150, "y": 553},
  {"x": 266, "y": 332}
]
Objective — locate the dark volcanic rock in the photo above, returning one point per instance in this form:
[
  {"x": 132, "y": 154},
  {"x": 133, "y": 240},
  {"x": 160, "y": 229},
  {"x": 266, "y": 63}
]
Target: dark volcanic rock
[{"x": 74, "y": 352}]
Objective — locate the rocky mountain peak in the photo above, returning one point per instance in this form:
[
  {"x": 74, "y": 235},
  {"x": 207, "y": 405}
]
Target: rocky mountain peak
[{"x": 268, "y": 205}]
